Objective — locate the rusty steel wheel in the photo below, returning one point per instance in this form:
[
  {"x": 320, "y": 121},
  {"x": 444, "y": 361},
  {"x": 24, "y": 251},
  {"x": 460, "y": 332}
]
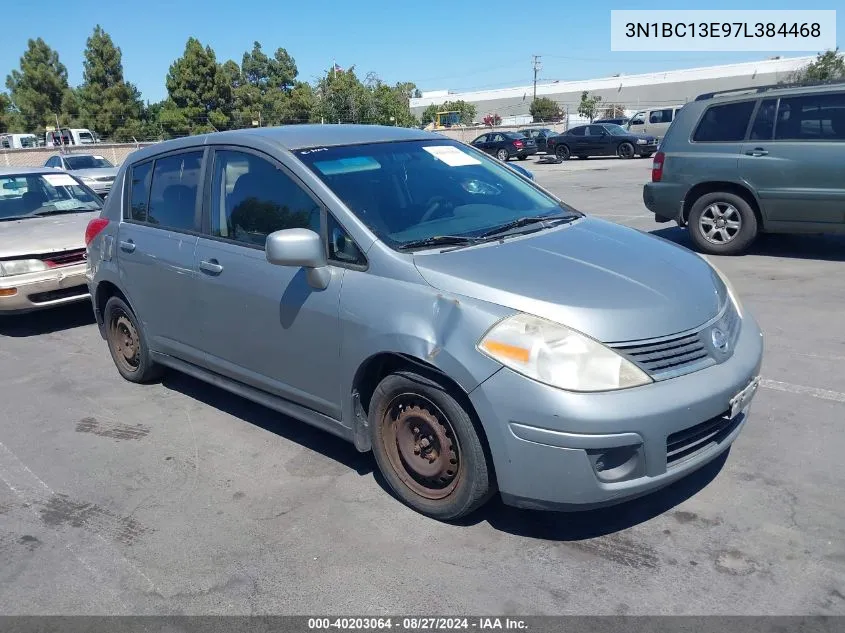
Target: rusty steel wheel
[
  {"x": 428, "y": 446},
  {"x": 127, "y": 343},
  {"x": 123, "y": 337},
  {"x": 422, "y": 446}
]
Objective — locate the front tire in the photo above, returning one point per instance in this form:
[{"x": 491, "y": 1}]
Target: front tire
[
  {"x": 625, "y": 150},
  {"x": 427, "y": 447},
  {"x": 503, "y": 155},
  {"x": 722, "y": 223},
  {"x": 128, "y": 343}
]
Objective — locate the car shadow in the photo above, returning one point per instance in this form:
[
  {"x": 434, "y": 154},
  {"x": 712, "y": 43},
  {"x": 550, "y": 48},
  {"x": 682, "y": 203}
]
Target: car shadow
[
  {"x": 796, "y": 246},
  {"x": 61, "y": 318},
  {"x": 587, "y": 524},
  {"x": 282, "y": 425}
]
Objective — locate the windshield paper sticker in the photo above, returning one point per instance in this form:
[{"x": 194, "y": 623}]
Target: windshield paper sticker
[
  {"x": 60, "y": 180},
  {"x": 99, "y": 158},
  {"x": 451, "y": 155}
]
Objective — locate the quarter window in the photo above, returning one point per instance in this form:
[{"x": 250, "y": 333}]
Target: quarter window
[
  {"x": 251, "y": 198},
  {"x": 139, "y": 191},
  {"x": 814, "y": 117},
  {"x": 724, "y": 123},
  {"x": 341, "y": 246}
]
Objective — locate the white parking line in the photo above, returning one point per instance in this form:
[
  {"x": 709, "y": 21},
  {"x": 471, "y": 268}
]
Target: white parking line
[{"x": 823, "y": 394}]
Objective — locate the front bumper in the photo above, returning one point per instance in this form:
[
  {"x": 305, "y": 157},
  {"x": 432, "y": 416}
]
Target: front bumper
[
  {"x": 41, "y": 290},
  {"x": 554, "y": 449},
  {"x": 645, "y": 149}
]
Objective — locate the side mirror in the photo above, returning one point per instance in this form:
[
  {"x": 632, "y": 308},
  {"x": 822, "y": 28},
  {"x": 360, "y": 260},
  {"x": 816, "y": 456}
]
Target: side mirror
[{"x": 301, "y": 248}]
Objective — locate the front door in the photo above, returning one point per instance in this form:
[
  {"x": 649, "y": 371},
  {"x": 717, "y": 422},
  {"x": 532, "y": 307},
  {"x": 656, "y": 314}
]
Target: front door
[
  {"x": 798, "y": 168},
  {"x": 481, "y": 143},
  {"x": 264, "y": 325},
  {"x": 156, "y": 243}
]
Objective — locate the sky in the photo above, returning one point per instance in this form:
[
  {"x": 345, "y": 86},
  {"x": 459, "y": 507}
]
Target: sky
[{"x": 437, "y": 44}]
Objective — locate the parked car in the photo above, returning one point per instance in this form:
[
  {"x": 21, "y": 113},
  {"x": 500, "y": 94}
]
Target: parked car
[
  {"x": 506, "y": 145},
  {"x": 403, "y": 290},
  {"x": 95, "y": 171},
  {"x": 602, "y": 139},
  {"x": 70, "y": 136},
  {"x": 539, "y": 135},
  {"x": 623, "y": 121},
  {"x": 738, "y": 163},
  {"x": 655, "y": 121},
  {"x": 18, "y": 141},
  {"x": 43, "y": 217}
]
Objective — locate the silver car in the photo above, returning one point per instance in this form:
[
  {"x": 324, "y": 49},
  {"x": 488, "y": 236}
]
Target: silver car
[
  {"x": 43, "y": 217},
  {"x": 422, "y": 300},
  {"x": 94, "y": 170}
]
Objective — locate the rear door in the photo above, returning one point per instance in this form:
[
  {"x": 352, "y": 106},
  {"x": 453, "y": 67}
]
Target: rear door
[
  {"x": 795, "y": 159},
  {"x": 156, "y": 243},
  {"x": 262, "y": 324}
]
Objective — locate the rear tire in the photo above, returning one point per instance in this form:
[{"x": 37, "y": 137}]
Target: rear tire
[
  {"x": 562, "y": 152},
  {"x": 503, "y": 155},
  {"x": 722, "y": 223},
  {"x": 128, "y": 343},
  {"x": 521, "y": 157},
  {"x": 427, "y": 447}
]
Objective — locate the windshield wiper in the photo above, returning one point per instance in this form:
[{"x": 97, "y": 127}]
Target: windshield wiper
[
  {"x": 437, "y": 240},
  {"x": 14, "y": 217},
  {"x": 526, "y": 220}
]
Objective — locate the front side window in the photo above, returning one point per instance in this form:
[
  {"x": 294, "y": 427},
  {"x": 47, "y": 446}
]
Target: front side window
[
  {"x": 251, "y": 198},
  {"x": 37, "y": 195},
  {"x": 172, "y": 193},
  {"x": 480, "y": 139},
  {"x": 661, "y": 116},
  {"x": 814, "y": 117},
  {"x": 418, "y": 190},
  {"x": 637, "y": 119},
  {"x": 724, "y": 123},
  {"x": 87, "y": 162},
  {"x": 85, "y": 137}
]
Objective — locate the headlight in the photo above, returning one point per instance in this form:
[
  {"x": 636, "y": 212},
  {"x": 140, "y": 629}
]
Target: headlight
[
  {"x": 641, "y": 141},
  {"x": 734, "y": 297},
  {"x": 558, "y": 356},
  {"x": 21, "y": 267}
]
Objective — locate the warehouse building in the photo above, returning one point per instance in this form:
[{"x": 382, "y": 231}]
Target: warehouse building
[{"x": 633, "y": 92}]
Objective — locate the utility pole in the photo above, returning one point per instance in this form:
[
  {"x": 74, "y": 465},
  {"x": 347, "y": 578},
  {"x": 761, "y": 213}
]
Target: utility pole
[{"x": 537, "y": 67}]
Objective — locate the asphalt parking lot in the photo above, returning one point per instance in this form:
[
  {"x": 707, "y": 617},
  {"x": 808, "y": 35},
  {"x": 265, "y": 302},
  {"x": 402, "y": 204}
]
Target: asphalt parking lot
[{"x": 179, "y": 498}]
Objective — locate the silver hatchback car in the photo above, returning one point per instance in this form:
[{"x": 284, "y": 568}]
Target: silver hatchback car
[{"x": 424, "y": 301}]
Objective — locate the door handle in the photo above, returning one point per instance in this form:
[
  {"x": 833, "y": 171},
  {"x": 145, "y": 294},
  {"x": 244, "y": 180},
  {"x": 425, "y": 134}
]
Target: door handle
[
  {"x": 127, "y": 245},
  {"x": 211, "y": 266},
  {"x": 757, "y": 151}
]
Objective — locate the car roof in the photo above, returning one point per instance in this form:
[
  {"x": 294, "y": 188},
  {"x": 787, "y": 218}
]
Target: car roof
[
  {"x": 295, "y": 137},
  {"x": 24, "y": 170}
]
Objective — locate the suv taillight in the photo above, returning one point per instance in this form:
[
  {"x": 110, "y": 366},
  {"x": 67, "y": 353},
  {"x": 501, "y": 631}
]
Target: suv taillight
[
  {"x": 657, "y": 167},
  {"x": 94, "y": 228}
]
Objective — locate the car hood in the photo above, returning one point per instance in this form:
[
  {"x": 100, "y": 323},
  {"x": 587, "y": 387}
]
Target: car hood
[
  {"x": 95, "y": 172},
  {"x": 608, "y": 281},
  {"x": 48, "y": 234}
]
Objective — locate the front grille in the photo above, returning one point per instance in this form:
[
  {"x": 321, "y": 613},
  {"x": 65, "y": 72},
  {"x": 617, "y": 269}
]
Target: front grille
[
  {"x": 667, "y": 355},
  {"x": 55, "y": 295},
  {"x": 64, "y": 258},
  {"x": 686, "y": 444}
]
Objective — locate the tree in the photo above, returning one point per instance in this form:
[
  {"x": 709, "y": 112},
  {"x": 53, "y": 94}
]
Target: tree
[
  {"x": 5, "y": 112},
  {"x": 612, "y": 111},
  {"x": 265, "y": 87},
  {"x": 37, "y": 89},
  {"x": 467, "y": 111},
  {"x": 200, "y": 96},
  {"x": 492, "y": 120},
  {"x": 589, "y": 106},
  {"x": 828, "y": 66},
  {"x": 544, "y": 109},
  {"x": 108, "y": 104},
  {"x": 342, "y": 98}
]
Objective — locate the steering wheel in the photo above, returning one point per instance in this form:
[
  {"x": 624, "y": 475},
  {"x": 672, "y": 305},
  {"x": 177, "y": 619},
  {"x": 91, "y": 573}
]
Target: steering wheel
[{"x": 434, "y": 204}]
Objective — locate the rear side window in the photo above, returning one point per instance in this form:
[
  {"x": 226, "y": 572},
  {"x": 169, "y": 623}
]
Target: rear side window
[
  {"x": 724, "y": 123},
  {"x": 660, "y": 116},
  {"x": 577, "y": 131},
  {"x": 764, "y": 121},
  {"x": 815, "y": 117}
]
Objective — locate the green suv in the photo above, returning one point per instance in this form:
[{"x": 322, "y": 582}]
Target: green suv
[{"x": 764, "y": 159}]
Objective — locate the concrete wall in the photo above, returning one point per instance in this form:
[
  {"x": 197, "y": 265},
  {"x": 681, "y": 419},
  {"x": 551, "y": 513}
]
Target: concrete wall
[{"x": 37, "y": 156}]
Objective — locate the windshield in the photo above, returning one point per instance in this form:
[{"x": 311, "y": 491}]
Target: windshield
[
  {"x": 33, "y": 195},
  {"x": 417, "y": 190},
  {"x": 615, "y": 129},
  {"x": 87, "y": 162}
]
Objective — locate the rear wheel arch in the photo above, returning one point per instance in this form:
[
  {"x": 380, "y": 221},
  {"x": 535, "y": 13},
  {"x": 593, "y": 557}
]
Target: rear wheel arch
[
  {"x": 728, "y": 187},
  {"x": 105, "y": 291}
]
